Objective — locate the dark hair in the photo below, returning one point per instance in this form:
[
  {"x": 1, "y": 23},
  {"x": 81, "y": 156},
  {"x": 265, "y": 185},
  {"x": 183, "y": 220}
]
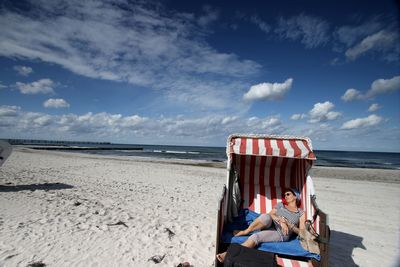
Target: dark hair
[{"x": 295, "y": 192}]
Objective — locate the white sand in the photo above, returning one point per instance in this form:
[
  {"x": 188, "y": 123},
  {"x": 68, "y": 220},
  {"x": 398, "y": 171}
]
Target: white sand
[{"x": 57, "y": 208}]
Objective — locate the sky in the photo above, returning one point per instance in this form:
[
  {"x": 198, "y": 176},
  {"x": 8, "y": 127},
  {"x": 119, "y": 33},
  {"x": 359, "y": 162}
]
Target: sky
[{"x": 194, "y": 72}]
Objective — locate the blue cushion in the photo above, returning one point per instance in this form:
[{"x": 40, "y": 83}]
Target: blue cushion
[{"x": 245, "y": 218}]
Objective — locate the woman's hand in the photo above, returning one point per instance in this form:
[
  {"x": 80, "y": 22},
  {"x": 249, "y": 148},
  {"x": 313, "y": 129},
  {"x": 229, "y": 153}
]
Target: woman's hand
[
  {"x": 302, "y": 221},
  {"x": 285, "y": 228},
  {"x": 284, "y": 225}
]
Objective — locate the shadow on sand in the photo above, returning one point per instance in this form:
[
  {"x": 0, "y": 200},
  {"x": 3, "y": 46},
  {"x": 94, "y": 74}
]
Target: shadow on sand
[
  {"x": 341, "y": 248},
  {"x": 33, "y": 187}
]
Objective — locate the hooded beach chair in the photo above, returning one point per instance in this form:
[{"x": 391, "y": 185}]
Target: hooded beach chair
[{"x": 259, "y": 169}]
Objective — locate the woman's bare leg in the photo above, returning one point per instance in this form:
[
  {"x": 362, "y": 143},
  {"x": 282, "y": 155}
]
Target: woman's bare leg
[
  {"x": 262, "y": 222},
  {"x": 255, "y": 225},
  {"x": 249, "y": 243},
  {"x": 221, "y": 257}
]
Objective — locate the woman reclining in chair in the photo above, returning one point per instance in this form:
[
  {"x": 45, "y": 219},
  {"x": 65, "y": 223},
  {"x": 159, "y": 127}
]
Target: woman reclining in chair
[{"x": 277, "y": 225}]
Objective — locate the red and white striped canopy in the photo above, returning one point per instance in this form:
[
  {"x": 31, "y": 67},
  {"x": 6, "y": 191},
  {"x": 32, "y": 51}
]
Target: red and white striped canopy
[{"x": 271, "y": 145}]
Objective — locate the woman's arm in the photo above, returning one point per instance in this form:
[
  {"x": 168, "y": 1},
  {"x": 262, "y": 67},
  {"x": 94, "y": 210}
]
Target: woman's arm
[
  {"x": 302, "y": 224},
  {"x": 302, "y": 221},
  {"x": 280, "y": 220},
  {"x": 272, "y": 213},
  {"x": 293, "y": 227}
]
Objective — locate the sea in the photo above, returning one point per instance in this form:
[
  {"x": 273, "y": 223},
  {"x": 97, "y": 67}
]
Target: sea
[{"x": 352, "y": 159}]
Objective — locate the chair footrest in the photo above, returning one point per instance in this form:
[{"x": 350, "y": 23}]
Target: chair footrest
[{"x": 286, "y": 262}]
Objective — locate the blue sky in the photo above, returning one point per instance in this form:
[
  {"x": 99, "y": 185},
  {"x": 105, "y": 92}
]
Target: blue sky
[{"x": 193, "y": 72}]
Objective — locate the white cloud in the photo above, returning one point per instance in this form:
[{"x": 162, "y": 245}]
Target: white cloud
[
  {"x": 374, "y": 107},
  {"x": 268, "y": 91},
  {"x": 9, "y": 111},
  {"x": 23, "y": 70},
  {"x": 43, "y": 86},
  {"x": 204, "y": 97},
  {"x": 229, "y": 119},
  {"x": 377, "y": 36},
  {"x": 261, "y": 24},
  {"x": 263, "y": 123},
  {"x": 322, "y": 112},
  {"x": 379, "y": 86},
  {"x": 56, "y": 103},
  {"x": 336, "y": 62},
  {"x": 296, "y": 117},
  {"x": 369, "y": 121},
  {"x": 211, "y": 15},
  {"x": 202, "y": 130},
  {"x": 349, "y": 35},
  {"x": 132, "y": 121},
  {"x": 271, "y": 124},
  {"x": 382, "y": 86},
  {"x": 311, "y": 31},
  {"x": 2, "y": 86},
  {"x": 144, "y": 44},
  {"x": 8, "y": 118},
  {"x": 352, "y": 94},
  {"x": 44, "y": 120},
  {"x": 382, "y": 41},
  {"x": 103, "y": 124},
  {"x": 30, "y": 121},
  {"x": 106, "y": 126}
]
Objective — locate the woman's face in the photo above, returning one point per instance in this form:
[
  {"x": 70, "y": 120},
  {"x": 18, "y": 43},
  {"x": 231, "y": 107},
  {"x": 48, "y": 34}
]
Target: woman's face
[{"x": 289, "y": 196}]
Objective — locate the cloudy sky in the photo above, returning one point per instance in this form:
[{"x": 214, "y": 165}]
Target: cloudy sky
[{"x": 193, "y": 72}]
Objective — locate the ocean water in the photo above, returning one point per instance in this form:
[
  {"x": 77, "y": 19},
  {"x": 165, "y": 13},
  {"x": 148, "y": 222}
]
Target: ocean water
[
  {"x": 375, "y": 160},
  {"x": 215, "y": 154}
]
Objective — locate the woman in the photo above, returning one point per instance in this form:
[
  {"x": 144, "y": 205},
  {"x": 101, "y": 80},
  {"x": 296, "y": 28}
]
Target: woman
[{"x": 277, "y": 225}]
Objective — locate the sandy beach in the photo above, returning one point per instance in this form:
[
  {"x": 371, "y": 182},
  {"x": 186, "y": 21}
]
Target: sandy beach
[{"x": 70, "y": 209}]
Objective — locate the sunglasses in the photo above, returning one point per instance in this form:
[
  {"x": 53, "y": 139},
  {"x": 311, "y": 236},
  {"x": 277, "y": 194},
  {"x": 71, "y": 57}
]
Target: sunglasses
[{"x": 288, "y": 194}]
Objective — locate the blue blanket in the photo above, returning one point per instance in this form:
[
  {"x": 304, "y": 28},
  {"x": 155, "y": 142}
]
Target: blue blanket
[{"x": 245, "y": 218}]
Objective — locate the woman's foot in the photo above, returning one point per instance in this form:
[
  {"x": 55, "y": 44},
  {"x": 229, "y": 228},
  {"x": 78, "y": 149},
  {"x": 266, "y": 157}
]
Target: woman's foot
[
  {"x": 240, "y": 232},
  {"x": 221, "y": 257}
]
